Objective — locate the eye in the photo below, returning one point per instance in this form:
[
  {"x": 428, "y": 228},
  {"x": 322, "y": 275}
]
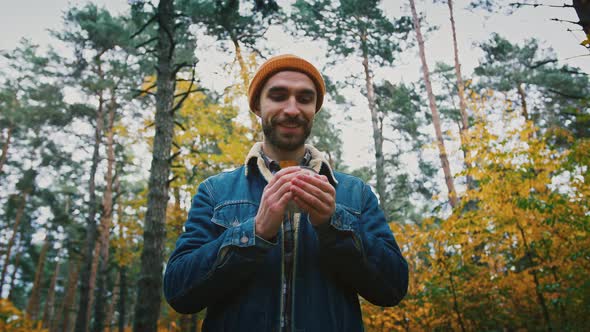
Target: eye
[
  {"x": 277, "y": 96},
  {"x": 305, "y": 98}
]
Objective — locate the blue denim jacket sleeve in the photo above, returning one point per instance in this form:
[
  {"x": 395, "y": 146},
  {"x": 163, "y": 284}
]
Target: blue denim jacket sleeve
[
  {"x": 210, "y": 260},
  {"x": 359, "y": 251}
]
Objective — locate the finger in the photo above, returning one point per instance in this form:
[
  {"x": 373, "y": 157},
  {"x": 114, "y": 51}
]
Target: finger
[
  {"x": 279, "y": 192},
  {"x": 319, "y": 181},
  {"x": 311, "y": 188},
  {"x": 310, "y": 209},
  {"x": 311, "y": 201},
  {"x": 277, "y": 176},
  {"x": 285, "y": 179}
]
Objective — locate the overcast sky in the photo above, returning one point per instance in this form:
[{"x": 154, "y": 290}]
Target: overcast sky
[{"x": 32, "y": 18}]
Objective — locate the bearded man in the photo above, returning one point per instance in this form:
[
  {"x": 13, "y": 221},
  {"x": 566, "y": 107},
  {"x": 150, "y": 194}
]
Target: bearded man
[{"x": 285, "y": 243}]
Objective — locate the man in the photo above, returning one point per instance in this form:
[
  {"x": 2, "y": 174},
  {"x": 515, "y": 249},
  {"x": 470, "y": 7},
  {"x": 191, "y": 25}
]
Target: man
[{"x": 267, "y": 248}]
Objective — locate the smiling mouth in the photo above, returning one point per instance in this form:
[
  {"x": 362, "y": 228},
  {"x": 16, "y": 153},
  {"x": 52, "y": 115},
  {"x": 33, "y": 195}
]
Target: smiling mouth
[{"x": 289, "y": 125}]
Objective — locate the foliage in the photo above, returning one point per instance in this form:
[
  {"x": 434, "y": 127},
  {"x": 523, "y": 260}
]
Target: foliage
[
  {"x": 512, "y": 255},
  {"x": 528, "y": 70},
  {"x": 13, "y": 320}
]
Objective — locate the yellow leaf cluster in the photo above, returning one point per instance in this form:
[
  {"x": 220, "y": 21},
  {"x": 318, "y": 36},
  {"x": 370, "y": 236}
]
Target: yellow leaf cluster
[{"x": 13, "y": 320}]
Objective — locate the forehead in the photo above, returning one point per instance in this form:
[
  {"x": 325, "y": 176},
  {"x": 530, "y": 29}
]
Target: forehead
[{"x": 290, "y": 80}]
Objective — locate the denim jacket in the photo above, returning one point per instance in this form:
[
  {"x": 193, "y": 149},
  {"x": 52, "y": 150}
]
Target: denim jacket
[{"x": 220, "y": 264}]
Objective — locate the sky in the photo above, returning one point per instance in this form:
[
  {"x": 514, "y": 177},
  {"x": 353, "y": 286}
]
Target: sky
[{"x": 33, "y": 18}]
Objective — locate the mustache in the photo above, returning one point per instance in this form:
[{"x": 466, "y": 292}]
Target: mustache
[{"x": 289, "y": 121}]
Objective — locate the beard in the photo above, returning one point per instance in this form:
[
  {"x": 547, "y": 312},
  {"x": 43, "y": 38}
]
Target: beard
[{"x": 286, "y": 142}]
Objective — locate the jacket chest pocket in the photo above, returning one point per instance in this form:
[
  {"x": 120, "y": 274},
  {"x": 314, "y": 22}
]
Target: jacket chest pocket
[{"x": 233, "y": 213}]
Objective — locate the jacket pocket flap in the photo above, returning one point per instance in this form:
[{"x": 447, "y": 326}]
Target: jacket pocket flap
[{"x": 233, "y": 213}]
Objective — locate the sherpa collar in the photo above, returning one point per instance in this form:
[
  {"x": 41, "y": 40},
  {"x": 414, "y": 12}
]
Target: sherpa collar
[{"x": 316, "y": 162}]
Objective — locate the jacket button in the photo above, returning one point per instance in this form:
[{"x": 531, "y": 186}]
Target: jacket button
[{"x": 244, "y": 239}]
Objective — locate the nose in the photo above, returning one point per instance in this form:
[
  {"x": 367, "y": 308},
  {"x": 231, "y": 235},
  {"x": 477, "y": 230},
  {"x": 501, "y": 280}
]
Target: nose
[{"x": 291, "y": 108}]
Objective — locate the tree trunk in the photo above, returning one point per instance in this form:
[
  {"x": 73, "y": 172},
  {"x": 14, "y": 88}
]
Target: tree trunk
[
  {"x": 67, "y": 311},
  {"x": 101, "y": 256},
  {"x": 244, "y": 74},
  {"x": 123, "y": 296},
  {"x": 521, "y": 93},
  {"x": 17, "y": 221},
  {"x": 435, "y": 116},
  {"x": 5, "y": 146},
  {"x": 456, "y": 303},
  {"x": 538, "y": 292},
  {"x": 377, "y": 134},
  {"x": 88, "y": 277},
  {"x": 49, "y": 311},
  {"x": 13, "y": 276},
  {"x": 35, "y": 297},
  {"x": 461, "y": 93},
  {"x": 114, "y": 299},
  {"x": 460, "y": 87},
  {"x": 149, "y": 287}
]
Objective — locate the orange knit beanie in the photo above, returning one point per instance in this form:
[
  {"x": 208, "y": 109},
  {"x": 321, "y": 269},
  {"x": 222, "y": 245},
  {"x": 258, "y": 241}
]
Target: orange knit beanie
[{"x": 285, "y": 62}]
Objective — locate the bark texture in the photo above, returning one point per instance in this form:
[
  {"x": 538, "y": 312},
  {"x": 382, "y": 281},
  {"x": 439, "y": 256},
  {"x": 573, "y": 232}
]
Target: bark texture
[
  {"x": 67, "y": 311},
  {"x": 433, "y": 109},
  {"x": 49, "y": 311},
  {"x": 35, "y": 298},
  {"x": 461, "y": 94},
  {"x": 88, "y": 272},
  {"x": 149, "y": 287},
  {"x": 101, "y": 254},
  {"x": 376, "y": 124},
  {"x": 17, "y": 220}
]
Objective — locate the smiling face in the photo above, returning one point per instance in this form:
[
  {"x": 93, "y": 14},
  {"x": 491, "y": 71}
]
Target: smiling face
[{"x": 287, "y": 107}]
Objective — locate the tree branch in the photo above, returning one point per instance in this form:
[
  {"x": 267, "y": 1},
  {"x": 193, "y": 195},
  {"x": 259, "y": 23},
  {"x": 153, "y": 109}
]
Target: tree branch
[
  {"x": 185, "y": 95},
  {"x": 182, "y": 94},
  {"x": 563, "y": 94},
  {"x": 566, "y": 21},
  {"x": 181, "y": 127},
  {"x": 541, "y": 63},
  {"x": 179, "y": 67},
  {"x": 143, "y": 27},
  {"x": 172, "y": 180},
  {"x": 172, "y": 157},
  {"x": 535, "y": 5},
  {"x": 146, "y": 42}
]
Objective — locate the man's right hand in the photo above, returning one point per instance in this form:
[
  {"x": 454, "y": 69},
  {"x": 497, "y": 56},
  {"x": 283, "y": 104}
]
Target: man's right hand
[{"x": 275, "y": 197}]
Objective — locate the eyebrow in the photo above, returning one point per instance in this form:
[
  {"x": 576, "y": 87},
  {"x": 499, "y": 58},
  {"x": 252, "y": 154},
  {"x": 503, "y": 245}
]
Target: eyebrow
[{"x": 284, "y": 89}]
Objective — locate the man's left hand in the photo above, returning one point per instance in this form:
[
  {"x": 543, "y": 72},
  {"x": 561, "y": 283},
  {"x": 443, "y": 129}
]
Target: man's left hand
[{"x": 315, "y": 195}]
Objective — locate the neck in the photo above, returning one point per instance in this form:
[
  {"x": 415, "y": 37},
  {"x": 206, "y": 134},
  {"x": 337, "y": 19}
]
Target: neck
[{"x": 277, "y": 154}]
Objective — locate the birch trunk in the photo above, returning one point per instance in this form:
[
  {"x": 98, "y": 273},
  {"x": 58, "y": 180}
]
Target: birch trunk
[
  {"x": 433, "y": 109},
  {"x": 149, "y": 286}
]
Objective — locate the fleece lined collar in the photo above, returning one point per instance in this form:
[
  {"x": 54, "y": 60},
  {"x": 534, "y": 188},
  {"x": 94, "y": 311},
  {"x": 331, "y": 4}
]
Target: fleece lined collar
[{"x": 317, "y": 162}]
